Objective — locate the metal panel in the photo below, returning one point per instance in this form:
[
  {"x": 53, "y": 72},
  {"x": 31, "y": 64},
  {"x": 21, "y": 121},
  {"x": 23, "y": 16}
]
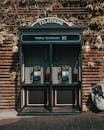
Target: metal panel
[
  {"x": 64, "y": 97},
  {"x": 37, "y": 97}
]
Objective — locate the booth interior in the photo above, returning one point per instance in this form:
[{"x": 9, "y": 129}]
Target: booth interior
[{"x": 51, "y": 77}]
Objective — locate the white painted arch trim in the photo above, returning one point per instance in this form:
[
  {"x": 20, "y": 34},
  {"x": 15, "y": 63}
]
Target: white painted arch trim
[{"x": 41, "y": 19}]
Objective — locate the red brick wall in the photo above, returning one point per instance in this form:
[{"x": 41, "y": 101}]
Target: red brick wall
[{"x": 9, "y": 60}]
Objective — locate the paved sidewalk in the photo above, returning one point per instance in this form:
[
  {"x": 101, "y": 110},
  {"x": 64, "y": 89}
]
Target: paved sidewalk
[
  {"x": 8, "y": 114},
  {"x": 84, "y": 121}
]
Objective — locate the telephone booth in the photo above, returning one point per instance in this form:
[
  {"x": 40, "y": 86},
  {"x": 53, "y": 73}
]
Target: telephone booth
[{"x": 51, "y": 67}]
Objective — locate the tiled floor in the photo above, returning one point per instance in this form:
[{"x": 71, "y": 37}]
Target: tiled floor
[{"x": 82, "y": 121}]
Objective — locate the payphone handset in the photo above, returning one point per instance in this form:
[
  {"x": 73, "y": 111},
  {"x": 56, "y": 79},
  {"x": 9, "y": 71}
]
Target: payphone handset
[
  {"x": 36, "y": 74},
  {"x": 65, "y": 73}
]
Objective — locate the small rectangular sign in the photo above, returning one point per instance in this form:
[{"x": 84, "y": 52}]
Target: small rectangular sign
[{"x": 32, "y": 37}]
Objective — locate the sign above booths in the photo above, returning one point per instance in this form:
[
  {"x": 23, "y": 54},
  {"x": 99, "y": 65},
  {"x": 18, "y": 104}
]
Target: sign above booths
[
  {"x": 34, "y": 37},
  {"x": 45, "y": 21},
  {"x": 51, "y": 20},
  {"x": 51, "y": 30}
]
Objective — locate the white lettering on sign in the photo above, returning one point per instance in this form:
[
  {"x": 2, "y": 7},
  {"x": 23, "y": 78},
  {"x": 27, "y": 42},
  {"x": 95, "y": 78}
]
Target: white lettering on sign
[
  {"x": 57, "y": 21},
  {"x": 47, "y": 38}
]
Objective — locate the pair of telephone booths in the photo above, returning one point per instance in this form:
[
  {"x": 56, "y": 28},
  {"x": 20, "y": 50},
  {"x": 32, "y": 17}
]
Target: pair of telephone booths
[{"x": 51, "y": 67}]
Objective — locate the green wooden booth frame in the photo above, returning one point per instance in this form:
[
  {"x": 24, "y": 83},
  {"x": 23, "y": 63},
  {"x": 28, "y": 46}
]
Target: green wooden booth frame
[{"x": 51, "y": 31}]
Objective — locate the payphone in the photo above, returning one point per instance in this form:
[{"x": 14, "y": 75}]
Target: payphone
[
  {"x": 38, "y": 75},
  {"x": 62, "y": 75}
]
